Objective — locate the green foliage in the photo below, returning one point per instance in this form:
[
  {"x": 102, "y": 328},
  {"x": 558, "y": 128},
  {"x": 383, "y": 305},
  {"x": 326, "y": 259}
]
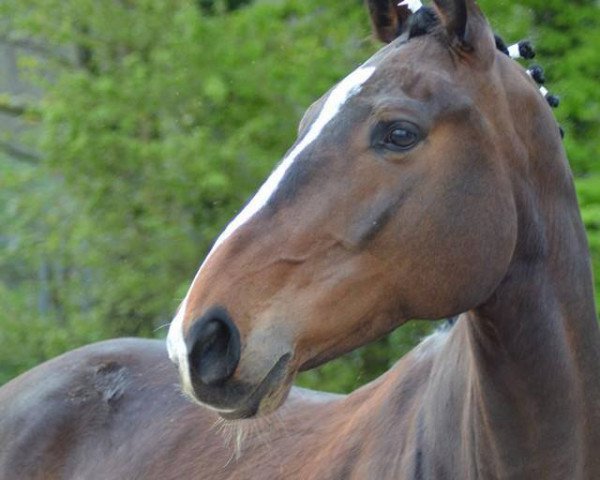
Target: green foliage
[
  {"x": 588, "y": 192},
  {"x": 157, "y": 121},
  {"x": 367, "y": 363}
]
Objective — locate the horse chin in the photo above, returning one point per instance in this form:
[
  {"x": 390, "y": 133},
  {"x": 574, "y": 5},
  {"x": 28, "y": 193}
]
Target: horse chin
[{"x": 268, "y": 395}]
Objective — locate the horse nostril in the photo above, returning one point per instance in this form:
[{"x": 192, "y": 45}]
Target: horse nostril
[{"x": 214, "y": 346}]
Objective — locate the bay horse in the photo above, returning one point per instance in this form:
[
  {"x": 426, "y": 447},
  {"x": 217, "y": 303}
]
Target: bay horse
[{"x": 430, "y": 182}]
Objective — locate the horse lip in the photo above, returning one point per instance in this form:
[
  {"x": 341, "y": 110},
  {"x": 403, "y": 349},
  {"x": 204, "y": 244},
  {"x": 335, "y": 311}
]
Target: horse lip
[{"x": 266, "y": 385}]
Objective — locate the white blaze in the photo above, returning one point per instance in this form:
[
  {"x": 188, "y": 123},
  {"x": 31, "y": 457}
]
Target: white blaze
[
  {"x": 344, "y": 90},
  {"x": 347, "y": 88}
]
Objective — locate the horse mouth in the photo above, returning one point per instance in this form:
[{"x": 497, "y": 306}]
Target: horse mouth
[{"x": 268, "y": 395}]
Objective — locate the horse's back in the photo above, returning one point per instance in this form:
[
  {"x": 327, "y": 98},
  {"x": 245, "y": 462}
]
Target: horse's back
[
  {"x": 108, "y": 410},
  {"x": 114, "y": 411}
]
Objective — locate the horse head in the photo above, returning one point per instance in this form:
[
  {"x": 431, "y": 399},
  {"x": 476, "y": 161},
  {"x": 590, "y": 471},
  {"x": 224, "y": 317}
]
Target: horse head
[{"x": 397, "y": 201}]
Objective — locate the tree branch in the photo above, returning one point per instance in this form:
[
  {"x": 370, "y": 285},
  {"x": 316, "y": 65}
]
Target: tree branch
[
  {"x": 15, "y": 109},
  {"x": 11, "y": 109},
  {"x": 37, "y": 48},
  {"x": 19, "y": 153}
]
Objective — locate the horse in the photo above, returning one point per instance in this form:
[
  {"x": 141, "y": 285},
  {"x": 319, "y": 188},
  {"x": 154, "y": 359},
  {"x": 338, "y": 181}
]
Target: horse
[{"x": 430, "y": 182}]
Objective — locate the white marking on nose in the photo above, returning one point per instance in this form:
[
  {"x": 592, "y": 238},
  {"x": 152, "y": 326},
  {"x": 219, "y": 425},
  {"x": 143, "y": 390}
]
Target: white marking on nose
[{"x": 346, "y": 89}]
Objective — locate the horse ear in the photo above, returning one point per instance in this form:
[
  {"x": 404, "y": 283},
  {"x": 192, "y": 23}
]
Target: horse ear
[
  {"x": 388, "y": 18},
  {"x": 465, "y": 24}
]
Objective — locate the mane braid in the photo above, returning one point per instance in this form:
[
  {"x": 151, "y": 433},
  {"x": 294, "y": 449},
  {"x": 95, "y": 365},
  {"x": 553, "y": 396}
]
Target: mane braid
[
  {"x": 424, "y": 20},
  {"x": 525, "y": 50},
  {"x": 500, "y": 44},
  {"x": 421, "y": 22}
]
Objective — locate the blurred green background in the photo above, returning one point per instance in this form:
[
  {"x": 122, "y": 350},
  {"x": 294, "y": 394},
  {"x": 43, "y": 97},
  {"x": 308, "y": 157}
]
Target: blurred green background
[{"x": 131, "y": 131}]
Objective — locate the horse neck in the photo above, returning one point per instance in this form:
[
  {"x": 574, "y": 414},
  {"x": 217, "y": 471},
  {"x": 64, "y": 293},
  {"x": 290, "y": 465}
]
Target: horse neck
[
  {"x": 534, "y": 346},
  {"x": 511, "y": 391}
]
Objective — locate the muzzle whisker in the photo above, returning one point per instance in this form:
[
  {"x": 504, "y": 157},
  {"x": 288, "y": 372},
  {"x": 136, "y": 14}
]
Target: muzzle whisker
[{"x": 160, "y": 327}]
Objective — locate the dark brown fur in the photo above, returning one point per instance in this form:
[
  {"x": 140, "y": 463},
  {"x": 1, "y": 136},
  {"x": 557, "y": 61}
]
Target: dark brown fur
[
  {"x": 481, "y": 217},
  {"x": 113, "y": 410}
]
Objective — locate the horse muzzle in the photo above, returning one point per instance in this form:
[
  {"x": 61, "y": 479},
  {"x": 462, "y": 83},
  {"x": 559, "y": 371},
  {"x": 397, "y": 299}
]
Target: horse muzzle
[
  {"x": 218, "y": 376},
  {"x": 213, "y": 346}
]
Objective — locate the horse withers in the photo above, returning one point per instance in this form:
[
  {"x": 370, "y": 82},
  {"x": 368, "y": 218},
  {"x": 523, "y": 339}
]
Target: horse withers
[{"x": 429, "y": 182}]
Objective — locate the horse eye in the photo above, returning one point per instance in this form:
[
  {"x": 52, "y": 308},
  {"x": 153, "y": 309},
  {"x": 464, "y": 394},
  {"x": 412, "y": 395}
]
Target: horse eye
[{"x": 400, "y": 136}]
